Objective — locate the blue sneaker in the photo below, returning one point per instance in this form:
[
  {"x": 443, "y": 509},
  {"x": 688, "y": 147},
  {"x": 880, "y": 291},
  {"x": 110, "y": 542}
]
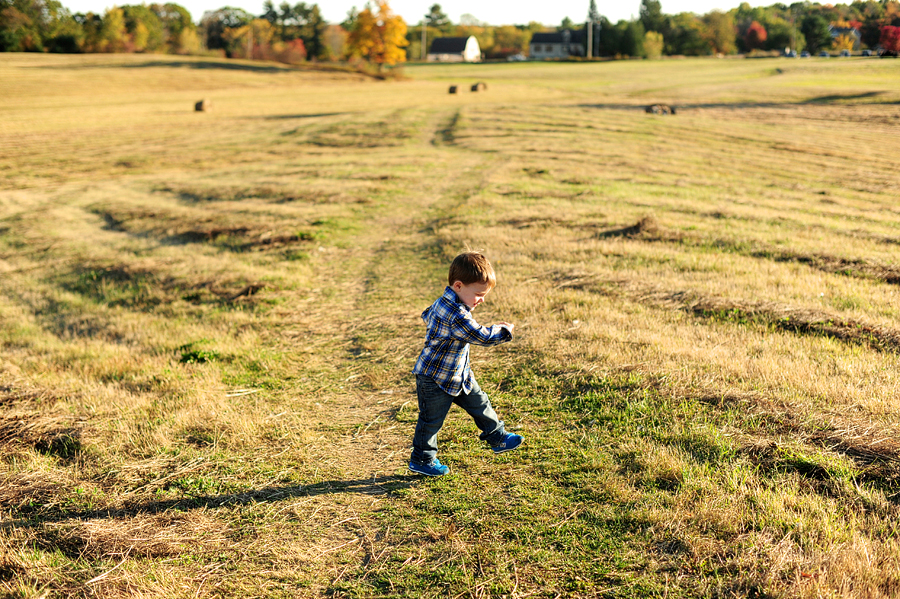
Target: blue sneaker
[
  {"x": 435, "y": 468},
  {"x": 509, "y": 442}
]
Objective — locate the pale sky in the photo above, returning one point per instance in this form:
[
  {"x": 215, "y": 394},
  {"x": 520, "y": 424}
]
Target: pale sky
[{"x": 496, "y": 12}]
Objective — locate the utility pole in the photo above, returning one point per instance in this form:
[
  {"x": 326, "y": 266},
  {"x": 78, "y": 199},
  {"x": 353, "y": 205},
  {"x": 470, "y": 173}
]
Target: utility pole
[{"x": 590, "y": 41}]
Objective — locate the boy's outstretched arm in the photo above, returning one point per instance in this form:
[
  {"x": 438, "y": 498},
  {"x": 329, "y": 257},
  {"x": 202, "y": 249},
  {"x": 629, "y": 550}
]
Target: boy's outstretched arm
[{"x": 464, "y": 328}]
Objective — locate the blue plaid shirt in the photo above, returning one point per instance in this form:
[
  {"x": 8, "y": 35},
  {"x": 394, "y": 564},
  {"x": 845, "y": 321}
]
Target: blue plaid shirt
[{"x": 451, "y": 329}]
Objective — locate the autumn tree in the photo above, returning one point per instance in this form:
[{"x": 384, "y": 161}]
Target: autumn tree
[
  {"x": 687, "y": 36},
  {"x": 653, "y": 44},
  {"x": 252, "y": 41},
  {"x": 378, "y": 37},
  {"x": 181, "y": 31},
  {"x": 890, "y": 38},
  {"x": 509, "y": 40},
  {"x": 146, "y": 30},
  {"x": 113, "y": 36},
  {"x": 36, "y": 26},
  {"x": 755, "y": 36},
  {"x": 843, "y": 42},
  {"x": 720, "y": 32},
  {"x": 335, "y": 42},
  {"x": 18, "y": 31},
  {"x": 214, "y": 24}
]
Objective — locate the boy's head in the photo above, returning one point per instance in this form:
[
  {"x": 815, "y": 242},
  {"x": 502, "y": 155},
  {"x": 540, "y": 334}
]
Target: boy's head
[
  {"x": 471, "y": 277},
  {"x": 472, "y": 267}
]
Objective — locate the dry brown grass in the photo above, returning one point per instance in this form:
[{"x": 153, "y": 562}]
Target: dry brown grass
[{"x": 207, "y": 323}]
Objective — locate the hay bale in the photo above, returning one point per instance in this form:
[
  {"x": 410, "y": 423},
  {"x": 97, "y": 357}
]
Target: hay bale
[
  {"x": 202, "y": 106},
  {"x": 452, "y": 89},
  {"x": 480, "y": 86},
  {"x": 660, "y": 109}
]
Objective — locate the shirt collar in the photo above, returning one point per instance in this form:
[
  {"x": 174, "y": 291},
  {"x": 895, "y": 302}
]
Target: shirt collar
[{"x": 451, "y": 296}]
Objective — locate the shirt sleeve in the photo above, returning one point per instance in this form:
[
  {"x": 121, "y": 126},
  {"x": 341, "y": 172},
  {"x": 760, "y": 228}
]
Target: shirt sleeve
[{"x": 464, "y": 328}]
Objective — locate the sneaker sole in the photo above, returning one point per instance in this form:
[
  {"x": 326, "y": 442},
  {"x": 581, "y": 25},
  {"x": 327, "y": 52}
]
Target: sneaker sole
[
  {"x": 505, "y": 449},
  {"x": 411, "y": 469}
]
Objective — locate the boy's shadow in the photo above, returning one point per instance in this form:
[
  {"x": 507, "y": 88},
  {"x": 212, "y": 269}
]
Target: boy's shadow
[{"x": 380, "y": 485}]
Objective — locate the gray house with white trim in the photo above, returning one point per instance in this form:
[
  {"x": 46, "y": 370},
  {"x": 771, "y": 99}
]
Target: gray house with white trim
[{"x": 559, "y": 44}]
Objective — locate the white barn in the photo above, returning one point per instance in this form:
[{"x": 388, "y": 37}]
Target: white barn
[{"x": 455, "y": 49}]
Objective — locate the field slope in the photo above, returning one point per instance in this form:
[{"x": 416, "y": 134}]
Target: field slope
[{"x": 207, "y": 323}]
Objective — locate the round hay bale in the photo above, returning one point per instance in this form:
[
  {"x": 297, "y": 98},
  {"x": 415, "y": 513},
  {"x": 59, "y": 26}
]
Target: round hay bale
[
  {"x": 659, "y": 109},
  {"x": 202, "y": 106},
  {"x": 480, "y": 86},
  {"x": 452, "y": 89}
]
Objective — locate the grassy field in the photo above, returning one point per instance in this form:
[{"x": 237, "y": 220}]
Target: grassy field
[{"x": 207, "y": 323}]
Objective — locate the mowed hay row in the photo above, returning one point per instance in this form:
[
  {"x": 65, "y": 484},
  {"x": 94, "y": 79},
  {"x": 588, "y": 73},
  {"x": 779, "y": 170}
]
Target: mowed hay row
[
  {"x": 745, "y": 159},
  {"x": 649, "y": 230},
  {"x": 679, "y": 441},
  {"x": 240, "y": 230}
]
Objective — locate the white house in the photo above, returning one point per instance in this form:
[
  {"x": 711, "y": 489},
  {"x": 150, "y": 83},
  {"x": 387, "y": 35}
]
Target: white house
[{"x": 455, "y": 49}]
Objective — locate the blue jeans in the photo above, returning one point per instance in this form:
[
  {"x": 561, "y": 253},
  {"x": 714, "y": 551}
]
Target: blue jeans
[{"x": 434, "y": 403}]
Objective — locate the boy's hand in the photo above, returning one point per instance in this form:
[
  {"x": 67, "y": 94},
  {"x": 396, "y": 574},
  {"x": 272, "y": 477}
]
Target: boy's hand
[{"x": 507, "y": 325}]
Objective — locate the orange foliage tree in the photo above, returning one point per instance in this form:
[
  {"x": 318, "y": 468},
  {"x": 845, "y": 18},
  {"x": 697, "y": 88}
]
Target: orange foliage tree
[
  {"x": 378, "y": 37},
  {"x": 756, "y": 35}
]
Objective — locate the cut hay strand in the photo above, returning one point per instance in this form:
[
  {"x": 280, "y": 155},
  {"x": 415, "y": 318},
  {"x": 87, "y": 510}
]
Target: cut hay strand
[{"x": 648, "y": 229}]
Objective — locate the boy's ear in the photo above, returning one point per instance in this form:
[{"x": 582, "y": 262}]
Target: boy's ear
[{"x": 457, "y": 285}]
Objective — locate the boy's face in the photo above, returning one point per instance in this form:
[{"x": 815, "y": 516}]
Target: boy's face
[{"x": 471, "y": 294}]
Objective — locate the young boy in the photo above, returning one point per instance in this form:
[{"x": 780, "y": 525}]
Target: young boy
[{"x": 443, "y": 375}]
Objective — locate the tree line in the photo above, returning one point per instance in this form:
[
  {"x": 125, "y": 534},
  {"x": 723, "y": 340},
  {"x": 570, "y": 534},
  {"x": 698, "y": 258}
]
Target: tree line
[
  {"x": 296, "y": 32},
  {"x": 746, "y": 29},
  {"x": 289, "y": 32},
  {"x": 798, "y": 26}
]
